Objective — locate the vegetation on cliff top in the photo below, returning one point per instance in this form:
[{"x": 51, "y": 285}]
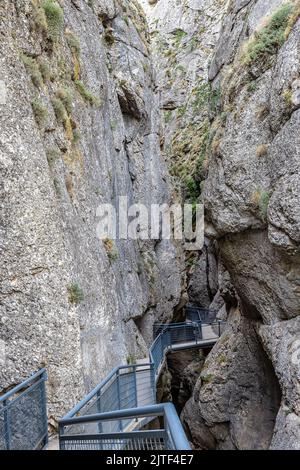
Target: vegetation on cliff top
[{"x": 272, "y": 36}]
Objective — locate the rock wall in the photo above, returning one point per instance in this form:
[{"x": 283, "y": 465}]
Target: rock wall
[
  {"x": 79, "y": 128},
  {"x": 183, "y": 37},
  {"x": 248, "y": 395}
]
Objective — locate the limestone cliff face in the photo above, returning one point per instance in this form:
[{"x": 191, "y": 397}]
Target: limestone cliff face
[
  {"x": 183, "y": 39},
  {"x": 79, "y": 128},
  {"x": 252, "y": 210}
]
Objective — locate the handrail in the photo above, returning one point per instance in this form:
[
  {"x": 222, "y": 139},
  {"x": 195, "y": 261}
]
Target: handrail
[
  {"x": 91, "y": 395},
  {"x": 28, "y": 399},
  {"x": 157, "y": 410},
  {"x": 172, "y": 423},
  {"x": 24, "y": 384},
  {"x": 170, "y": 337},
  {"x": 88, "y": 397}
]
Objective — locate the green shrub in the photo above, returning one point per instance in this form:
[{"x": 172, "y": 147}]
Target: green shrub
[
  {"x": 181, "y": 111},
  {"x": 87, "y": 95},
  {"x": 264, "y": 204},
  {"x": 66, "y": 97},
  {"x": 252, "y": 86},
  {"x": 33, "y": 69},
  {"x": 111, "y": 249},
  {"x": 75, "y": 294},
  {"x": 271, "y": 37},
  {"x": 130, "y": 359},
  {"x": 52, "y": 155},
  {"x": 40, "y": 20},
  {"x": 73, "y": 43},
  {"x": 40, "y": 112},
  {"x": 113, "y": 125},
  {"x": 207, "y": 378},
  {"x": 179, "y": 35},
  {"x": 168, "y": 116},
  {"x": 45, "y": 70},
  {"x": 59, "y": 110},
  {"x": 76, "y": 136},
  {"x": 55, "y": 19}
]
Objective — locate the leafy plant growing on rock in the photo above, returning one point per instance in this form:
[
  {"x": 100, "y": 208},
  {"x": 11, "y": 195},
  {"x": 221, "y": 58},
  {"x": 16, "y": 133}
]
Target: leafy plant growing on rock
[
  {"x": 59, "y": 110},
  {"x": 130, "y": 359},
  {"x": 73, "y": 43},
  {"x": 207, "y": 378},
  {"x": 271, "y": 37},
  {"x": 33, "y": 69},
  {"x": 55, "y": 19},
  {"x": 52, "y": 155},
  {"x": 39, "y": 20},
  {"x": 264, "y": 204},
  {"x": 87, "y": 95},
  {"x": 76, "y": 295},
  {"x": 111, "y": 249},
  {"x": 66, "y": 97},
  {"x": 40, "y": 112},
  {"x": 45, "y": 70}
]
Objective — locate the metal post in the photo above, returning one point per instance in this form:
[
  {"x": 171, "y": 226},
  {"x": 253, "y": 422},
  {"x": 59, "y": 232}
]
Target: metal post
[
  {"x": 219, "y": 328},
  {"x": 135, "y": 386},
  {"x": 119, "y": 398},
  {"x": 7, "y": 425},
  {"x": 61, "y": 431},
  {"x": 153, "y": 381},
  {"x": 100, "y": 428},
  {"x": 44, "y": 405}
]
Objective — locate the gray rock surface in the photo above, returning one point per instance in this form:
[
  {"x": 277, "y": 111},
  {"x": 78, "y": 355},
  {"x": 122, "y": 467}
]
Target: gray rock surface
[
  {"x": 49, "y": 244},
  {"x": 252, "y": 209},
  {"x": 237, "y": 397}
]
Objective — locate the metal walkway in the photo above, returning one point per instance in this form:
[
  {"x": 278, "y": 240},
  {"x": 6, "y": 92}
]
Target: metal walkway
[{"x": 114, "y": 416}]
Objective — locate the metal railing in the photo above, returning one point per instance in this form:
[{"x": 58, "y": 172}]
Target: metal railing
[
  {"x": 23, "y": 415},
  {"x": 109, "y": 416},
  {"x": 182, "y": 336},
  {"x": 126, "y": 387},
  {"x": 171, "y": 436},
  {"x": 201, "y": 315}
]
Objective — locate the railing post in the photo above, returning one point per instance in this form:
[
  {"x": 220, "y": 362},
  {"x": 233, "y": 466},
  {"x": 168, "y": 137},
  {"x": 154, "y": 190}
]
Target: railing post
[
  {"x": 135, "y": 386},
  {"x": 119, "y": 398},
  {"x": 44, "y": 405},
  {"x": 153, "y": 381},
  {"x": 100, "y": 427},
  {"x": 7, "y": 425},
  {"x": 61, "y": 431}
]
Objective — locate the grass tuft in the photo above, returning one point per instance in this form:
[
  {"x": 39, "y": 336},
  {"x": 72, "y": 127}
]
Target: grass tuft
[
  {"x": 55, "y": 19},
  {"x": 111, "y": 249},
  {"x": 76, "y": 295},
  {"x": 40, "y": 20},
  {"x": 87, "y": 95},
  {"x": 45, "y": 70},
  {"x": 66, "y": 97},
  {"x": 33, "y": 69},
  {"x": 264, "y": 205},
  {"x": 73, "y": 43},
  {"x": 40, "y": 112},
  {"x": 52, "y": 155},
  {"x": 271, "y": 37},
  {"x": 59, "y": 110}
]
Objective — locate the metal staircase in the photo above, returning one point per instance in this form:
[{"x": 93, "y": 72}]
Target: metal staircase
[{"x": 115, "y": 415}]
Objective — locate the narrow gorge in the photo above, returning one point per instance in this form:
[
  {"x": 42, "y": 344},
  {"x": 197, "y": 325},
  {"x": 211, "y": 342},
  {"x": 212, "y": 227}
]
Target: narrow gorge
[{"x": 165, "y": 102}]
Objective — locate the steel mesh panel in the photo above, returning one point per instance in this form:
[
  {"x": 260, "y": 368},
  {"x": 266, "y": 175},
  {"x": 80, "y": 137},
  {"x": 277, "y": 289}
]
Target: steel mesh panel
[
  {"x": 116, "y": 444},
  {"x": 23, "y": 424}
]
